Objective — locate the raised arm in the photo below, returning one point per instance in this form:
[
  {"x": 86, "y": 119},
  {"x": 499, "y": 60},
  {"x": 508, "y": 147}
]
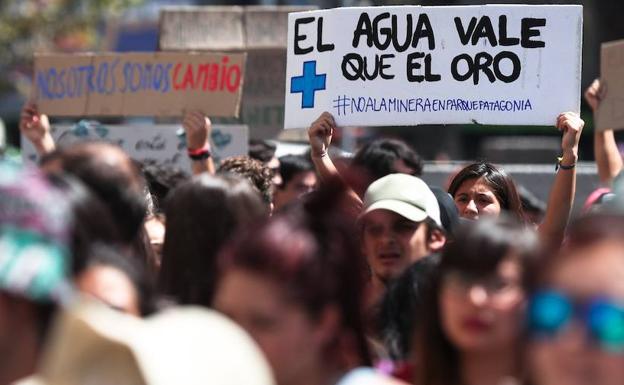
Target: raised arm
[
  {"x": 320, "y": 135},
  {"x": 198, "y": 129},
  {"x": 36, "y": 128},
  {"x": 608, "y": 158},
  {"x": 561, "y": 198}
]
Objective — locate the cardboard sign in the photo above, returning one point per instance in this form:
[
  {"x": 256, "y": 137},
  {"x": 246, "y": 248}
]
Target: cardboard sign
[
  {"x": 262, "y": 107},
  {"x": 160, "y": 144},
  {"x": 492, "y": 64},
  {"x": 259, "y": 30},
  {"x": 610, "y": 114},
  {"x": 184, "y": 28},
  {"x": 210, "y": 28},
  {"x": 139, "y": 84}
]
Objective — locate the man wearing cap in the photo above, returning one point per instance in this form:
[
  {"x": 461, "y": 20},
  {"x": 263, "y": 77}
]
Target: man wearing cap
[{"x": 400, "y": 223}]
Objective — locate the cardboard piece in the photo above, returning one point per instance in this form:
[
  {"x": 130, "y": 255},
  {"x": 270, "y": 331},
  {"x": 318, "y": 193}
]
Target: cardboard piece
[
  {"x": 201, "y": 28},
  {"x": 214, "y": 28},
  {"x": 262, "y": 106},
  {"x": 264, "y": 31},
  {"x": 139, "y": 84},
  {"x": 410, "y": 65},
  {"x": 161, "y": 144},
  {"x": 266, "y": 27},
  {"x": 610, "y": 114}
]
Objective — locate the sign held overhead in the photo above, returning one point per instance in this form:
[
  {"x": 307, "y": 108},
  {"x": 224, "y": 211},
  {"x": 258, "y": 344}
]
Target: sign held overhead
[
  {"x": 413, "y": 65},
  {"x": 139, "y": 84}
]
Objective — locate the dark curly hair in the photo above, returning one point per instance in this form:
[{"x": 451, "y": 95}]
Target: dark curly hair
[{"x": 253, "y": 170}]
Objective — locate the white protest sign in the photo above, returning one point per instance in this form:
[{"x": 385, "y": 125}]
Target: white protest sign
[
  {"x": 160, "y": 144},
  {"x": 408, "y": 65}
]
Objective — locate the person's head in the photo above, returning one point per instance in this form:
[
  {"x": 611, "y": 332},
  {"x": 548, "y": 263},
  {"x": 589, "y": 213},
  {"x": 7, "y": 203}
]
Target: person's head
[
  {"x": 35, "y": 239},
  {"x": 449, "y": 215},
  {"x": 477, "y": 301},
  {"x": 202, "y": 214},
  {"x": 481, "y": 189},
  {"x": 264, "y": 151},
  {"x": 402, "y": 308},
  {"x": 113, "y": 177},
  {"x": 117, "y": 280},
  {"x": 385, "y": 156},
  {"x": 91, "y": 221},
  {"x": 400, "y": 223},
  {"x": 295, "y": 285},
  {"x": 160, "y": 180},
  {"x": 259, "y": 175},
  {"x": 298, "y": 178},
  {"x": 576, "y": 314}
]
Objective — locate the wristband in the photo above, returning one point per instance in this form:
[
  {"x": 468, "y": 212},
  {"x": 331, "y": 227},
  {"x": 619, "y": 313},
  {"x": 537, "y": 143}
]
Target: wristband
[
  {"x": 318, "y": 156},
  {"x": 199, "y": 154},
  {"x": 562, "y": 166}
]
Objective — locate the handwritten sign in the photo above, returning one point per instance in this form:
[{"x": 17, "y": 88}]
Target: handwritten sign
[
  {"x": 610, "y": 114},
  {"x": 425, "y": 65},
  {"x": 139, "y": 84},
  {"x": 160, "y": 144}
]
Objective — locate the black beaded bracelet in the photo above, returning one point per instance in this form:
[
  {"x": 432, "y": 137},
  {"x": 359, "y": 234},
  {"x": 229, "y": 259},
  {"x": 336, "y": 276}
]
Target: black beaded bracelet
[{"x": 562, "y": 166}]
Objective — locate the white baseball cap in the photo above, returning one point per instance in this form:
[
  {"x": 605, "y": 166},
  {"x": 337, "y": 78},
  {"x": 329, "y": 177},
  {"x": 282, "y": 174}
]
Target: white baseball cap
[{"x": 403, "y": 194}]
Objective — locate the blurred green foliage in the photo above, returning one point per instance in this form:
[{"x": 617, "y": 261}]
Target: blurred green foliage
[{"x": 29, "y": 26}]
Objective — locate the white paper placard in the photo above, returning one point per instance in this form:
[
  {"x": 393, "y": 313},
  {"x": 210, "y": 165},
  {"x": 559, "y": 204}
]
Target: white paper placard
[
  {"x": 161, "y": 144},
  {"x": 409, "y": 65}
]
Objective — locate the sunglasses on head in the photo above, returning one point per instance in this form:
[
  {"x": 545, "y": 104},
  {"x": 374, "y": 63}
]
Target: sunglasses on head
[{"x": 550, "y": 312}]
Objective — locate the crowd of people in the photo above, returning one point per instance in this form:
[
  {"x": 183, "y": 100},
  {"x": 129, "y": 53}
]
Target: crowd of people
[{"x": 310, "y": 269}]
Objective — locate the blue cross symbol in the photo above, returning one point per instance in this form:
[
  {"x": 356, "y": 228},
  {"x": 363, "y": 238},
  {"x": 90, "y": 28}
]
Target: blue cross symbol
[{"x": 307, "y": 84}]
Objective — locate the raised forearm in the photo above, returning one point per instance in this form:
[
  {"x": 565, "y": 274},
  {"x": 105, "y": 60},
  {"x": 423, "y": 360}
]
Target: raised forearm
[
  {"x": 560, "y": 201},
  {"x": 45, "y": 145},
  {"x": 607, "y": 154}
]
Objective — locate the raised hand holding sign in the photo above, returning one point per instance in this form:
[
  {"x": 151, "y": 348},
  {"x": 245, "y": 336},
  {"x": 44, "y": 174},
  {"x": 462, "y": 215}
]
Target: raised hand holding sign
[{"x": 425, "y": 65}]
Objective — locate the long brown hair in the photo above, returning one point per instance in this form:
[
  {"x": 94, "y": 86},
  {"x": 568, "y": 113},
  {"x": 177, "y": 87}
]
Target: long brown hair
[{"x": 201, "y": 215}]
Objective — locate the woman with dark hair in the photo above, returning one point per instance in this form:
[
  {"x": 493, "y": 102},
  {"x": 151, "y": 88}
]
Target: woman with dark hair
[
  {"x": 576, "y": 312},
  {"x": 473, "y": 322},
  {"x": 481, "y": 189},
  {"x": 295, "y": 285},
  {"x": 201, "y": 214},
  {"x": 495, "y": 191}
]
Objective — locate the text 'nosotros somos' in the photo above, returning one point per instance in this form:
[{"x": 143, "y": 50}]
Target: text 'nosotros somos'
[{"x": 117, "y": 76}]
